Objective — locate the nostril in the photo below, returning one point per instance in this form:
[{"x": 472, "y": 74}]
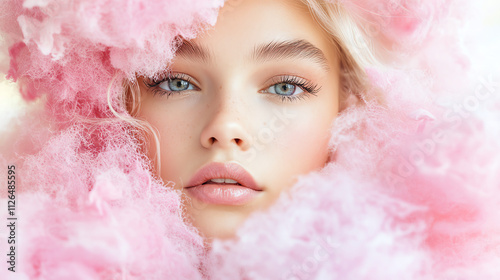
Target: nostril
[{"x": 225, "y": 141}]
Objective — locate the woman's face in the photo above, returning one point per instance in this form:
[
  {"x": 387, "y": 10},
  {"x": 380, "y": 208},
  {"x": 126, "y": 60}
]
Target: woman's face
[{"x": 250, "y": 101}]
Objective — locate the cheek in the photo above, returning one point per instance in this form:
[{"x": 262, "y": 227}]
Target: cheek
[
  {"x": 300, "y": 148},
  {"x": 305, "y": 139},
  {"x": 305, "y": 143},
  {"x": 175, "y": 131}
]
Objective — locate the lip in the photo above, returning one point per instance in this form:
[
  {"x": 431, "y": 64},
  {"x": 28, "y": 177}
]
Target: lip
[{"x": 228, "y": 194}]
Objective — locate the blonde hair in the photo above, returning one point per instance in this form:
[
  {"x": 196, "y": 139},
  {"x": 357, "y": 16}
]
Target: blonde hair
[
  {"x": 145, "y": 131},
  {"x": 355, "y": 53},
  {"x": 355, "y": 50}
]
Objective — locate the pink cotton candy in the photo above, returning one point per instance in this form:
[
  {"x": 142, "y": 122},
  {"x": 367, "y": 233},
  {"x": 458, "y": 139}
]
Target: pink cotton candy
[{"x": 412, "y": 191}]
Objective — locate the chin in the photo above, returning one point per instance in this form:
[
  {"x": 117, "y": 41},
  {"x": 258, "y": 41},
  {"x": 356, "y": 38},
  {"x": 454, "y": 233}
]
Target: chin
[{"x": 216, "y": 221}]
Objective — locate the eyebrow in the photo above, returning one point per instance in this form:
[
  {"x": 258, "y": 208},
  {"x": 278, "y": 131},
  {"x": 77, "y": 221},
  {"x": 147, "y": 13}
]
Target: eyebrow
[
  {"x": 299, "y": 49},
  {"x": 194, "y": 51},
  {"x": 275, "y": 50}
]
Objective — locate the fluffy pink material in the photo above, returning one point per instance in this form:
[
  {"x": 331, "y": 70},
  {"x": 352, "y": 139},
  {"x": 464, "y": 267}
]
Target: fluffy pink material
[{"x": 412, "y": 191}]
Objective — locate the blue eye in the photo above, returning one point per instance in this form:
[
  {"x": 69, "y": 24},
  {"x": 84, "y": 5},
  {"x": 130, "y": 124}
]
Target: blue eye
[
  {"x": 291, "y": 88},
  {"x": 176, "y": 85},
  {"x": 286, "y": 89}
]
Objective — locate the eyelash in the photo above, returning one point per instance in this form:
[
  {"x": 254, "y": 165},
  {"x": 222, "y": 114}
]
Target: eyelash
[
  {"x": 308, "y": 87},
  {"x": 154, "y": 84}
]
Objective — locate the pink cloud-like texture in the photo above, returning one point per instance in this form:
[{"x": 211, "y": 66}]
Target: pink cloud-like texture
[{"x": 412, "y": 191}]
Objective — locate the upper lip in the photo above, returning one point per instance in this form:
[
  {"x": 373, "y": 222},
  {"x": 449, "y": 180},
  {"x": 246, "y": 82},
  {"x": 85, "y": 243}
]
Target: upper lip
[{"x": 227, "y": 170}]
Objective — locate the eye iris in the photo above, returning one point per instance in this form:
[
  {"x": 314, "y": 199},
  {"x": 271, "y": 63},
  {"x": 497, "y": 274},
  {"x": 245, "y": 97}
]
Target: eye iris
[
  {"x": 284, "y": 89},
  {"x": 178, "y": 84}
]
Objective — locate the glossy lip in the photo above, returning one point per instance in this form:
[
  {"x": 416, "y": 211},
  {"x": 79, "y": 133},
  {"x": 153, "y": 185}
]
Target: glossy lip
[{"x": 228, "y": 170}]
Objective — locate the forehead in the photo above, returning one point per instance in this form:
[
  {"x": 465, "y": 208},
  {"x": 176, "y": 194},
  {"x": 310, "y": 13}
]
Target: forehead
[{"x": 246, "y": 24}]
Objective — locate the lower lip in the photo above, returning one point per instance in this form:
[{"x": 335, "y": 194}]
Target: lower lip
[{"x": 227, "y": 194}]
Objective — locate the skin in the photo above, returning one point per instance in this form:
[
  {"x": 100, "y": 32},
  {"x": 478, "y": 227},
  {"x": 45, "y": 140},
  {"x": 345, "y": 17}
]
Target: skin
[{"x": 231, "y": 114}]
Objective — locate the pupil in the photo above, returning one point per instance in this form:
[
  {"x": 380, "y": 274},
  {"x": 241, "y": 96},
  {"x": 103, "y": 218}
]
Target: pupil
[
  {"x": 285, "y": 89},
  {"x": 178, "y": 85}
]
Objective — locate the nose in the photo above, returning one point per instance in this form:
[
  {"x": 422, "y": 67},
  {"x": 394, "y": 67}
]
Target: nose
[{"x": 225, "y": 128}]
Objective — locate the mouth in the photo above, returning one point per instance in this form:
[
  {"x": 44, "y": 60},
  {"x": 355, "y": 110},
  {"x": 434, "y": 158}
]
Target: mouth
[{"x": 223, "y": 183}]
